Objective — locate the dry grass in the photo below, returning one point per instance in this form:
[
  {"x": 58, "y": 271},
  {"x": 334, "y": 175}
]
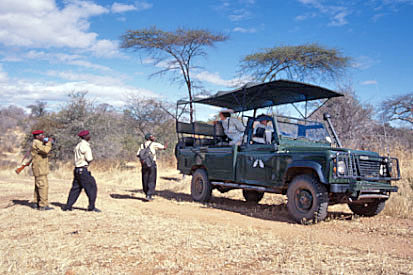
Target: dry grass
[
  {"x": 174, "y": 235},
  {"x": 400, "y": 204}
]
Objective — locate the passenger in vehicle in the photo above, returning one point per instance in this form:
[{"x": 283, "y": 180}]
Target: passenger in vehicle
[
  {"x": 263, "y": 132},
  {"x": 233, "y": 128}
]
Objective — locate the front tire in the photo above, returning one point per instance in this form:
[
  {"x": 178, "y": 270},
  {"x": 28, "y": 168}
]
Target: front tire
[
  {"x": 367, "y": 209},
  {"x": 201, "y": 189},
  {"x": 307, "y": 199},
  {"x": 252, "y": 195}
]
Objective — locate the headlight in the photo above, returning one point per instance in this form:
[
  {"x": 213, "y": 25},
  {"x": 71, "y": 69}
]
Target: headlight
[{"x": 341, "y": 167}]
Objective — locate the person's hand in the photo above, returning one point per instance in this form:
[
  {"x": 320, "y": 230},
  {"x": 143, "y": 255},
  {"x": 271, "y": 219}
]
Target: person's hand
[
  {"x": 166, "y": 146},
  {"x": 50, "y": 139}
]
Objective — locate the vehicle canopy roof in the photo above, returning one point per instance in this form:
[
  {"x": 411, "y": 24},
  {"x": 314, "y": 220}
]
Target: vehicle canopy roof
[{"x": 254, "y": 96}]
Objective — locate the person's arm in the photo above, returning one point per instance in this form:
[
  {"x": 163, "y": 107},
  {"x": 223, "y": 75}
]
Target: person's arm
[
  {"x": 87, "y": 152},
  {"x": 238, "y": 125},
  {"x": 41, "y": 148},
  {"x": 159, "y": 146}
]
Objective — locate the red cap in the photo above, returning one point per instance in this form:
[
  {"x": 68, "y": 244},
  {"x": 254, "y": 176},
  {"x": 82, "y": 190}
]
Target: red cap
[
  {"x": 37, "y": 132},
  {"x": 83, "y": 133}
]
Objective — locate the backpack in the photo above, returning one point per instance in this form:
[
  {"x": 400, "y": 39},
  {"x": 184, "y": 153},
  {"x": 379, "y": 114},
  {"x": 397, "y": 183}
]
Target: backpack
[{"x": 146, "y": 156}]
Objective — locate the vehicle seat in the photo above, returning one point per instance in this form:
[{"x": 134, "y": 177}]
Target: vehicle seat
[{"x": 219, "y": 135}]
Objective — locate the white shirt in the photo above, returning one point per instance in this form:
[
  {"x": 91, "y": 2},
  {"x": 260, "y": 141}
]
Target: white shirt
[
  {"x": 267, "y": 135},
  {"x": 83, "y": 154},
  {"x": 234, "y": 129},
  {"x": 154, "y": 146}
]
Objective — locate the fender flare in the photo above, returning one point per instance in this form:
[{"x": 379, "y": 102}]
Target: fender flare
[{"x": 315, "y": 166}]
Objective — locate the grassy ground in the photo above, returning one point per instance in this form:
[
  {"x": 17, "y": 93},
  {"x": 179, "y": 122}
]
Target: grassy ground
[{"x": 177, "y": 236}]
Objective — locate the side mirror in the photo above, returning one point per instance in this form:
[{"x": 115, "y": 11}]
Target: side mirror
[{"x": 326, "y": 116}]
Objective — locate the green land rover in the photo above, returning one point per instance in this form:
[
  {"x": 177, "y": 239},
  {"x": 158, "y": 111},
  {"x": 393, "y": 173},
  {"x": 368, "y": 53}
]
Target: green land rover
[{"x": 304, "y": 159}]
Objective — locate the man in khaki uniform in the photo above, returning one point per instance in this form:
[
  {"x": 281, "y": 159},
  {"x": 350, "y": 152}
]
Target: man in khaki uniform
[{"x": 40, "y": 165}]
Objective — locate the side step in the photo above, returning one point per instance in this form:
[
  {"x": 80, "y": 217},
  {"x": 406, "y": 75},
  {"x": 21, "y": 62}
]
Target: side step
[{"x": 246, "y": 187}]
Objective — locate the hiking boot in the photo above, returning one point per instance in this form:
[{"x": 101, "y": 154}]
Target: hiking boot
[
  {"x": 94, "y": 210},
  {"x": 66, "y": 208}
]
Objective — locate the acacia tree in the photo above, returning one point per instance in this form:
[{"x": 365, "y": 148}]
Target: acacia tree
[
  {"x": 302, "y": 62},
  {"x": 399, "y": 108},
  {"x": 173, "y": 51}
]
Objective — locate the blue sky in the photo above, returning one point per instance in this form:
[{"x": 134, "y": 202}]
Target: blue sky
[{"x": 49, "y": 48}]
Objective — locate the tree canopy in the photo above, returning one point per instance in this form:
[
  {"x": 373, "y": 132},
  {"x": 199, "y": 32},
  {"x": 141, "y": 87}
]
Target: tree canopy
[
  {"x": 173, "y": 51},
  {"x": 398, "y": 108},
  {"x": 303, "y": 62}
]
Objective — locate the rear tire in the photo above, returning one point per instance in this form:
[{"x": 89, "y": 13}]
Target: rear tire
[
  {"x": 307, "y": 199},
  {"x": 201, "y": 189},
  {"x": 367, "y": 209},
  {"x": 252, "y": 195}
]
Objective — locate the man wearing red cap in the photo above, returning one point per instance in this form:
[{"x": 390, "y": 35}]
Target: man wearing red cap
[
  {"x": 83, "y": 179},
  {"x": 40, "y": 165}
]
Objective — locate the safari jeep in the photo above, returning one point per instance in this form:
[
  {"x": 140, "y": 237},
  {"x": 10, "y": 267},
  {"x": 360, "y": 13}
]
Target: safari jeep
[{"x": 305, "y": 159}]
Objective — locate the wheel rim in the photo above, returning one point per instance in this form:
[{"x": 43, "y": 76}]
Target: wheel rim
[
  {"x": 304, "y": 200},
  {"x": 199, "y": 185}
]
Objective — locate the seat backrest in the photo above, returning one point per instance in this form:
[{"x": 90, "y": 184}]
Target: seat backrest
[
  {"x": 184, "y": 128},
  {"x": 203, "y": 129}
]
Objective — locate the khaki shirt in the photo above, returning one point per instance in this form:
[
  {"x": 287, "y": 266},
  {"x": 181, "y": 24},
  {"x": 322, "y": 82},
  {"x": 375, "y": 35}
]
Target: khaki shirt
[
  {"x": 40, "y": 161},
  {"x": 154, "y": 146},
  {"x": 83, "y": 154}
]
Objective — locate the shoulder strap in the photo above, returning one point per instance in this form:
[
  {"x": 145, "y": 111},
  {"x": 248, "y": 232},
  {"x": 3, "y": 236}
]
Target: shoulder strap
[{"x": 144, "y": 146}]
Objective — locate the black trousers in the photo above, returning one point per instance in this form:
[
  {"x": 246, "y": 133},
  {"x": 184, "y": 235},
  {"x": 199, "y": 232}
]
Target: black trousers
[
  {"x": 82, "y": 180},
  {"x": 149, "y": 179}
]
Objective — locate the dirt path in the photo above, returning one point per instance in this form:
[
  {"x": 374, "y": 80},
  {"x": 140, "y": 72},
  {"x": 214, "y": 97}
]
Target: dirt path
[{"x": 226, "y": 215}]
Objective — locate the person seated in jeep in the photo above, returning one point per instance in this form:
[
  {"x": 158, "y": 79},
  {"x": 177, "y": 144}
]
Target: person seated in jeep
[
  {"x": 233, "y": 128},
  {"x": 262, "y": 132}
]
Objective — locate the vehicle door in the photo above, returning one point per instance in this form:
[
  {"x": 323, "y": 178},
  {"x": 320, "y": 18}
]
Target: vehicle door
[
  {"x": 219, "y": 162},
  {"x": 257, "y": 164}
]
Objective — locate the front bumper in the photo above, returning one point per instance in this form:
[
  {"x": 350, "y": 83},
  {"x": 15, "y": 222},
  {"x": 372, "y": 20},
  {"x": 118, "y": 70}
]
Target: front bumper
[{"x": 364, "y": 190}]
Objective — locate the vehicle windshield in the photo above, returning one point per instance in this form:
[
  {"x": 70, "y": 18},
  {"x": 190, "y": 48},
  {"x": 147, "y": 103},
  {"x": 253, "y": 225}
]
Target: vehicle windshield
[{"x": 303, "y": 129}]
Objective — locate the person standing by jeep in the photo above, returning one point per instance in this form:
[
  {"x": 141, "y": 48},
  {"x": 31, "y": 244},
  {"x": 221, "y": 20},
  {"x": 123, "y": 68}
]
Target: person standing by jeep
[
  {"x": 147, "y": 157},
  {"x": 41, "y": 147},
  {"x": 83, "y": 179}
]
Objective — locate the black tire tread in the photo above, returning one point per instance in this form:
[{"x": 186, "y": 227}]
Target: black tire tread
[
  {"x": 252, "y": 195},
  {"x": 207, "y": 192},
  {"x": 322, "y": 195},
  {"x": 368, "y": 209}
]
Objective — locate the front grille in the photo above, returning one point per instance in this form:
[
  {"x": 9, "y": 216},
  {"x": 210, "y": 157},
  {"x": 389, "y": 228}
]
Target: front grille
[
  {"x": 368, "y": 168},
  {"x": 360, "y": 167}
]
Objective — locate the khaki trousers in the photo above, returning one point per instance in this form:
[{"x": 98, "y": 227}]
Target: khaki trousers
[{"x": 41, "y": 190}]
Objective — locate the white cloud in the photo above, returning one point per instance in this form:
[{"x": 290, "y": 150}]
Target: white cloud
[
  {"x": 138, "y": 6},
  {"x": 216, "y": 79},
  {"x": 336, "y": 13},
  {"x": 240, "y": 14},
  {"x": 364, "y": 62},
  {"x": 89, "y": 78},
  {"x": 53, "y": 58},
  {"x": 3, "y": 75},
  {"x": 119, "y": 7},
  {"x": 244, "y": 30},
  {"x": 106, "y": 48},
  {"x": 43, "y": 24},
  {"x": 369, "y": 82},
  {"x": 25, "y": 92},
  {"x": 339, "y": 19},
  {"x": 142, "y": 5}
]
